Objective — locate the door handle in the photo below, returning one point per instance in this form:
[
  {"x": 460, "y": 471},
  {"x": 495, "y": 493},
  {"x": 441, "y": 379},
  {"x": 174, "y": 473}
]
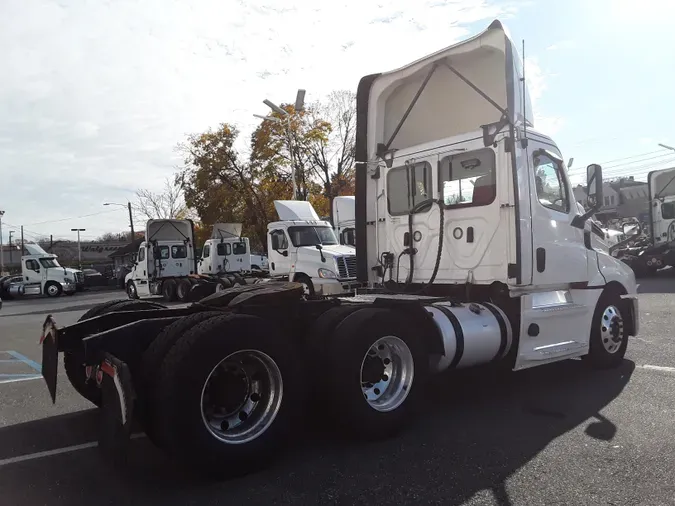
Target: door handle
[{"x": 541, "y": 259}]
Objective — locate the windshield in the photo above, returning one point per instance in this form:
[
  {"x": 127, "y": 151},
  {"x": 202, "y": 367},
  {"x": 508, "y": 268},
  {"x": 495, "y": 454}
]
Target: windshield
[
  {"x": 311, "y": 236},
  {"x": 48, "y": 263}
]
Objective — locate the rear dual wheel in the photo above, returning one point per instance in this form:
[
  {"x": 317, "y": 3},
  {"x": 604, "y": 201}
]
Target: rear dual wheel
[
  {"x": 375, "y": 365},
  {"x": 228, "y": 395}
]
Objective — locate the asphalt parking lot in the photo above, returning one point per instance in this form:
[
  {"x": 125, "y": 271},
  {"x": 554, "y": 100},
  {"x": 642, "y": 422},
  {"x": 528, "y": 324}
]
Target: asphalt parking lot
[{"x": 555, "y": 435}]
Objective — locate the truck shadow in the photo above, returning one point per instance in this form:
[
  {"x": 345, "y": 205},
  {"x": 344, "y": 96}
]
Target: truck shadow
[{"x": 475, "y": 430}]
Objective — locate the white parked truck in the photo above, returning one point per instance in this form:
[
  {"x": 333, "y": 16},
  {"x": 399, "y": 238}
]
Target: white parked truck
[
  {"x": 303, "y": 248},
  {"x": 164, "y": 262},
  {"x": 471, "y": 250},
  {"x": 41, "y": 274},
  {"x": 651, "y": 249},
  {"x": 344, "y": 219},
  {"x": 227, "y": 251}
]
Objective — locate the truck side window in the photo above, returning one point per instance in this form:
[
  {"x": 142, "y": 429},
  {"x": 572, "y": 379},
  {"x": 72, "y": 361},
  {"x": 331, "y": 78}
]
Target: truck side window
[
  {"x": 279, "y": 240},
  {"x": 179, "y": 251},
  {"x": 163, "y": 252},
  {"x": 207, "y": 251},
  {"x": 224, "y": 249},
  {"x": 141, "y": 254},
  {"x": 468, "y": 179},
  {"x": 550, "y": 183},
  {"x": 668, "y": 210},
  {"x": 32, "y": 265},
  {"x": 239, "y": 248},
  {"x": 408, "y": 186}
]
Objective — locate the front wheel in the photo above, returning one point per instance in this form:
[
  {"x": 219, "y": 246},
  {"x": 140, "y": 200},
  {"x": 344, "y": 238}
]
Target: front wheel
[
  {"x": 306, "y": 283},
  {"x": 132, "y": 293},
  {"x": 609, "y": 339},
  {"x": 53, "y": 289}
]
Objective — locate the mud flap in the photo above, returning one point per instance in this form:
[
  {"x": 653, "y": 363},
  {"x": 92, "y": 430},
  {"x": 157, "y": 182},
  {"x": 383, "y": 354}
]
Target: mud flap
[
  {"x": 50, "y": 355},
  {"x": 118, "y": 405}
]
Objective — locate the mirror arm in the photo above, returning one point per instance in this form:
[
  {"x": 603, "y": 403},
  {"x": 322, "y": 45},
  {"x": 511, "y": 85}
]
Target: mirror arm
[{"x": 580, "y": 219}]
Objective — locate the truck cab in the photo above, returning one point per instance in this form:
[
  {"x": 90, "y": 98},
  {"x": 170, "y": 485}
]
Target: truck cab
[
  {"x": 227, "y": 251},
  {"x": 43, "y": 275},
  {"x": 458, "y": 194},
  {"x": 304, "y": 248},
  {"x": 164, "y": 258}
]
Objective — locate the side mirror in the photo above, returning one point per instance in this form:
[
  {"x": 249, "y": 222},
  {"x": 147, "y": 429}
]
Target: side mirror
[
  {"x": 594, "y": 193},
  {"x": 284, "y": 253},
  {"x": 594, "y": 185},
  {"x": 630, "y": 229}
]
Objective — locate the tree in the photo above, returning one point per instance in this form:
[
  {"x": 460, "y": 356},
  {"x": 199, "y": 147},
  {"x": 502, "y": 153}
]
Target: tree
[
  {"x": 167, "y": 204},
  {"x": 113, "y": 237},
  {"x": 323, "y": 147},
  {"x": 221, "y": 187}
]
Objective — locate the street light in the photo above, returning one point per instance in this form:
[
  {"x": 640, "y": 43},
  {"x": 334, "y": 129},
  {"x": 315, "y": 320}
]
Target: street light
[
  {"x": 131, "y": 218},
  {"x": 79, "y": 251},
  {"x": 2, "y": 253},
  {"x": 666, "y": 146},
  {"x": 299, "y": 107}
]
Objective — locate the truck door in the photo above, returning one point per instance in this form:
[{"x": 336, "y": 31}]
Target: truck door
[
  {"x": 32, "y": 273},
  {"x": 205, "y": 265},
  {"x": 560, "y": 254},
  {"x": 141, "y": 273},
  {"x": 554, "y": 323},
  {"x": 279, "y": 255}
]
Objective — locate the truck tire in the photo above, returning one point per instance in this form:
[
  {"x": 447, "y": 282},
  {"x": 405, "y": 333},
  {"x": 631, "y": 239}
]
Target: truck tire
[
  {"x": 377, "y": 366},
  {"x": 132, "y": 292},
  {"x": 223, "y": 284},
  {"x": 183, "y": 289},
  {"x": 169, "y": 290},
  {"x": 53, "y": 289},
  {"x": 73, "y": 363},
  {"x": 243, "y": 423},
  {"x": 150, "y": 368},
  {"x": 238, "y": 280},
  {"x": 306, "y": 281},
  {"x": 609, "y": 340}
]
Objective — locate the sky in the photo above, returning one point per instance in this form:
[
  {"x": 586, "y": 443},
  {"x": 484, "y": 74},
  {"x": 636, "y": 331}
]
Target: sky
[{"x": 95, "y": 95}]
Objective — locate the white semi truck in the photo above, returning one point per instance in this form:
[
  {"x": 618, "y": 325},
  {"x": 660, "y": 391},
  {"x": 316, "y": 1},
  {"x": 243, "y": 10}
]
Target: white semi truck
[
  {"x": 227, "y": 251},
  {"x": 41, "y": 274},
  {"x": 648, "y": 250},
  {"x": 304, "y": 248},
  {"x": 471, "y": 251}
]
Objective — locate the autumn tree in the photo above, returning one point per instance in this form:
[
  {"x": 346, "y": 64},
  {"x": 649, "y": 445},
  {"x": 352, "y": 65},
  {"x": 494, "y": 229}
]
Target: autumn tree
[{"x": 221, "y": 187}]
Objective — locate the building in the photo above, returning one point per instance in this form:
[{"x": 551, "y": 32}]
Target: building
[
  {"x": 623, "y": 198},
  {"x": 126, "y": 254}
]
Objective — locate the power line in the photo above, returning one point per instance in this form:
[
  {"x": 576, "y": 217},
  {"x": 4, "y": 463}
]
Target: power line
[
  {"x": 663, "y": 154},
  {"x": 76, "y": 217}
]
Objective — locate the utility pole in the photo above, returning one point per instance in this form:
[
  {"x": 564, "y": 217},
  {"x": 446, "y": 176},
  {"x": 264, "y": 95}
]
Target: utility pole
[
  {"x": 11, "y": 232},
  {"x": 79, "y": 251},
  {"x": 22, "y": 250},
  {"x": 131, "y": 216},
  {"x": 131, "y": 222},
  {"x": 2, "y": 253},
  {"x": 51, "y": 243}
]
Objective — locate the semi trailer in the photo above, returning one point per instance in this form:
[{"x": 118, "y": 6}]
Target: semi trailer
[{"x": 471, "y": 251}]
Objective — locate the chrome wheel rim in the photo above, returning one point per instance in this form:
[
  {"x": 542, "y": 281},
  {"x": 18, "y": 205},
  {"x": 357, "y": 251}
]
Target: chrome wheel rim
[
  {"x": 387, "y": 372},
  {"x": 611, "y": 329},
  {"x": 52, "y": 290},
  {"x": 131, "y": 290},
  {"x": 241, "y": 396},
  {"x": 219, "y": 287}
]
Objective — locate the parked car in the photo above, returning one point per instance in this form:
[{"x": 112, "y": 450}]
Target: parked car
[{"x": 93, "y": 278}]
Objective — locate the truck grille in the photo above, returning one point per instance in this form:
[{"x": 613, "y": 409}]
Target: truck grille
[{"x": 346, "y": 267}]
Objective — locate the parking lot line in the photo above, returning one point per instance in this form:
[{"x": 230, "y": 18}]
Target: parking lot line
[
  {"x": 57, "y": 451},
  {"x": 659, "y": 368},
  {"x": 23, "y": 378},
  {"x": 25, "y": 360}
]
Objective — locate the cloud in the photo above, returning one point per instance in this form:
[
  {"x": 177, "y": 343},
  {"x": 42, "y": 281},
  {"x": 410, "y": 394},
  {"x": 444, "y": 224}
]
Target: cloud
[{"x": 95, "y": 95}]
